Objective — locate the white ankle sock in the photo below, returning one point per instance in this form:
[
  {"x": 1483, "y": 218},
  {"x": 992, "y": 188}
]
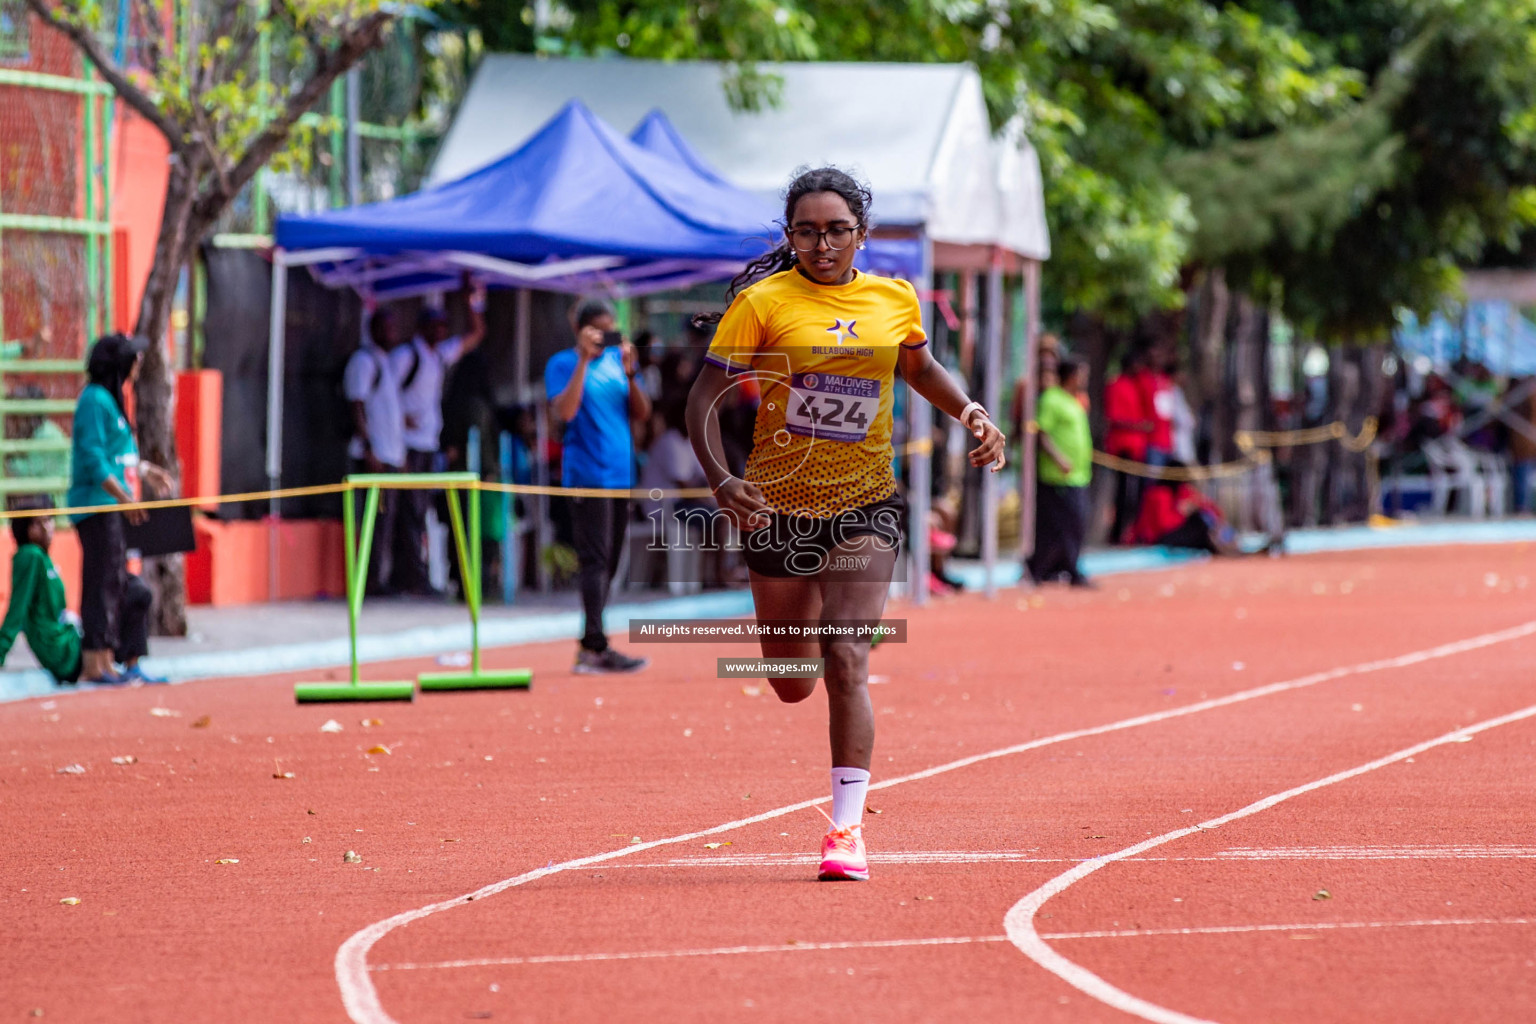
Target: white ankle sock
[{"x": 848, "y": 788}]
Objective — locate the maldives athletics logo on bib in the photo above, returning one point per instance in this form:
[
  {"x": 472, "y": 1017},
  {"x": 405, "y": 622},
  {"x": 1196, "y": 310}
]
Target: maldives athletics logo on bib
[{"x": 831, "y": 407}]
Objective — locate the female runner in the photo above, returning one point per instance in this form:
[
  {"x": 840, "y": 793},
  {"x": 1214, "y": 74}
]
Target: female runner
[{"x": 818, "y": 503}]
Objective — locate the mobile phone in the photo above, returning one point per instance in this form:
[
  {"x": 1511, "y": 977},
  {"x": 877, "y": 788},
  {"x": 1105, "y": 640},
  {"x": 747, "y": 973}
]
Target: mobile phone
[{"x": 612, "y": 338}]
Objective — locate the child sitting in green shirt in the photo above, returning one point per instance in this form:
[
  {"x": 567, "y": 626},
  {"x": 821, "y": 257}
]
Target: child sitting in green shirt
[{"x": 37, "y": 603}]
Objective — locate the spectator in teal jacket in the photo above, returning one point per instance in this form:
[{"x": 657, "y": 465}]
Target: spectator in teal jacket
[{"x": 104, "y": 470}]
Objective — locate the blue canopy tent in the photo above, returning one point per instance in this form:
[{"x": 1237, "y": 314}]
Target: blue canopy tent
[
  {"x": 656, "y": 133},
  {"x": 577, "y": 206}
]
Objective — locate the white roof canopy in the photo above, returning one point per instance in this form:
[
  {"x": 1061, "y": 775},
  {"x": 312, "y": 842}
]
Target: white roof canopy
[{"x": 917, "y": 133}]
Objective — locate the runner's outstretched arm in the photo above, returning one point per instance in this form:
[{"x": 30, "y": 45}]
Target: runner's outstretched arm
[{"x": 925, "y": 376}]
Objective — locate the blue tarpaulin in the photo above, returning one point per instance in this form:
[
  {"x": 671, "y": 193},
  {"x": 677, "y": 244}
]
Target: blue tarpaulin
[{"x": 576, "y": 190}]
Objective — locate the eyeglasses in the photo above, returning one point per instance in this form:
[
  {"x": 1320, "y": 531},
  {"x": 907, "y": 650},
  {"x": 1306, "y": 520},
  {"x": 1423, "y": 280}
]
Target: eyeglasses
[{"x": 838, "y": 237}]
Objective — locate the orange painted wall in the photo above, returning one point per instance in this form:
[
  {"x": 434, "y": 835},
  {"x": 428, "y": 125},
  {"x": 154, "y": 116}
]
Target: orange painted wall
[
  {"x": 230, "y": 564},
  {"x": 199, "y": 429},
  {"x": 139, "y": 173}
]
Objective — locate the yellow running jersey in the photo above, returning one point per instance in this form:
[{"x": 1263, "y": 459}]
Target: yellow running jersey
[{"x": 825, "y": 357}]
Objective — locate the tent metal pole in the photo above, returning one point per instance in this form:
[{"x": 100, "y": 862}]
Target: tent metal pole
[
  {"x": 276, "y": 341},
  {"x": 920, "y": 430},
  {"x": 1031, "y": 371},
  {"x": 991, "y": 390},
  {"x": 522, "y": 340}
]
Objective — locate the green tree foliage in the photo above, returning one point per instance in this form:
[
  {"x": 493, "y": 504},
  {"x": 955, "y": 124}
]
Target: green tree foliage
[
  {"x": 1437, "y": 170},
  {"x": 1106, "y": 90}
]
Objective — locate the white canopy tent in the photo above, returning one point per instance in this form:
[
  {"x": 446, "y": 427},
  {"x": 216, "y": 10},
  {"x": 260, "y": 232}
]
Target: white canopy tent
[{"x": 919, "y": 134}]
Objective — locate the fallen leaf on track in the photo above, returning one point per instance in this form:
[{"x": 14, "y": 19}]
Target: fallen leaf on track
[
  {"x": 228, "y": 860},
  {"x": 331, "y": 725},
  {"x": 203, "y": 722},
  {"x": 72, "y": 769},
  {"x": 125, "y": 759},
  {"x": 282, "y": 775},
  {"x": 633, "y": 840},
  {"x": 352, "y": 857},
  {"x": 378, "y": 748},
  {"x": 369, "y": 723},
  {"x": 164, "y": 713},
  {"x": 715, "y": 846},
  {"x": 1322, "y": 894},
  {"x": 70, "y": 901}
]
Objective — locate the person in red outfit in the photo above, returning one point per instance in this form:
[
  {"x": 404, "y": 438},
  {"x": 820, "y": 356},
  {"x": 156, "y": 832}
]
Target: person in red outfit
[
  {"x": 1174, "y": 514},
  {"x": 1128, "y": 437},
  {"x": 1157, "y": 401}
]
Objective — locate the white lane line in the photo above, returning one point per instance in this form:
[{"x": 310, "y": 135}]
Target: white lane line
[
  {"x": 1239, "y": 854},
  {"x": 361, "y": 999},
  {"x": 1329, "y": 926},
  {"x": 666, "y": 954},
  {"x": 1020, "y": 920},
  {"x": 958, "y": 940},
  {"x": 1372, "y": 853}
]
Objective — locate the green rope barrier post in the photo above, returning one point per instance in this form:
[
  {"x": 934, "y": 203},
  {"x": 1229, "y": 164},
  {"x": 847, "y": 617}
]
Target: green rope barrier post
[
  {"x": 470, "y": 566},
  {"x": 357, "y": 582}
]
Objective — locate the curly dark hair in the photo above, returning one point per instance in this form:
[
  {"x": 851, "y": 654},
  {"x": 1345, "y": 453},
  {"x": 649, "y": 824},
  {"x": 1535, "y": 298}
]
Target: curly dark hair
[{"x": 807, "y": 181}]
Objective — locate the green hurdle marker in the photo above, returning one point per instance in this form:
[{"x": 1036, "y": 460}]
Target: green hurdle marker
[
  {"x": 357, "y": 579},
  {"x": 470, "y": 555}
]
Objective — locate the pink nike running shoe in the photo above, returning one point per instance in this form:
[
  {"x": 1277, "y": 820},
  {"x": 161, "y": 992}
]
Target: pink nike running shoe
[{"x": 843, "y": 858}]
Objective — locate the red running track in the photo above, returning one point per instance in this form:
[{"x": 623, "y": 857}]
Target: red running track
[{"x": 1117, "y": 718}]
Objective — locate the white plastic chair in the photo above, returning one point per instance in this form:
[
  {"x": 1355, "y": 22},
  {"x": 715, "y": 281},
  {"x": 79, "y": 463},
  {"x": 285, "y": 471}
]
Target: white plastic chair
[
  {"x": 1452, "y": 466},
  {"x": 1495, "y": 473}
]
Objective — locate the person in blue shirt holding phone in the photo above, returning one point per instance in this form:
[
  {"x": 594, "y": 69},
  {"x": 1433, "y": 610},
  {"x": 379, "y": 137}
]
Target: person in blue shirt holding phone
[
  {"x": 105, "y": 469},
  {"x": 593, "y": 391}
]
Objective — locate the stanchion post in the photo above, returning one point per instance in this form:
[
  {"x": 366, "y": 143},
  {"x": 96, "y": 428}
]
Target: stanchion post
[
  {"x": 992, "y": 337},
  {"x": 1028, "y": 464},
  {"x": 920, "y": 435},
  {"x": 509, "y": 566}
]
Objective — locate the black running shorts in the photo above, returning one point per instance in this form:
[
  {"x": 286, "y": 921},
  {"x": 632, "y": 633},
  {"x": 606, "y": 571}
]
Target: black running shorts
[{"x": 791, "y": 546}]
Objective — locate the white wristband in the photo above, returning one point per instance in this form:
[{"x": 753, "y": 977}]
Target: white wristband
[{"x": 965, "y": 414}]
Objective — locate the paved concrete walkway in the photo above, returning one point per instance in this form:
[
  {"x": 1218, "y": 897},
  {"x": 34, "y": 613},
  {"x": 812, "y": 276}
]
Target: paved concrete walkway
[{"x": 256, "y": 640}]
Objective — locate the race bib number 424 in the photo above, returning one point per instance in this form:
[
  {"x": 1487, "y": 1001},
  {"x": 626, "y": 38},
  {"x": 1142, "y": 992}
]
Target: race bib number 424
[{"x": 830, "y": 407}]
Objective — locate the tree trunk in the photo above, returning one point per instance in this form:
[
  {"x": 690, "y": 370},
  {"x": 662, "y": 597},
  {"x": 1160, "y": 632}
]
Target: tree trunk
[
  {"x": 155, "y": 392},
  {"x": 1240, "y": 407},
  {"x": 1208, "y": 357}
]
